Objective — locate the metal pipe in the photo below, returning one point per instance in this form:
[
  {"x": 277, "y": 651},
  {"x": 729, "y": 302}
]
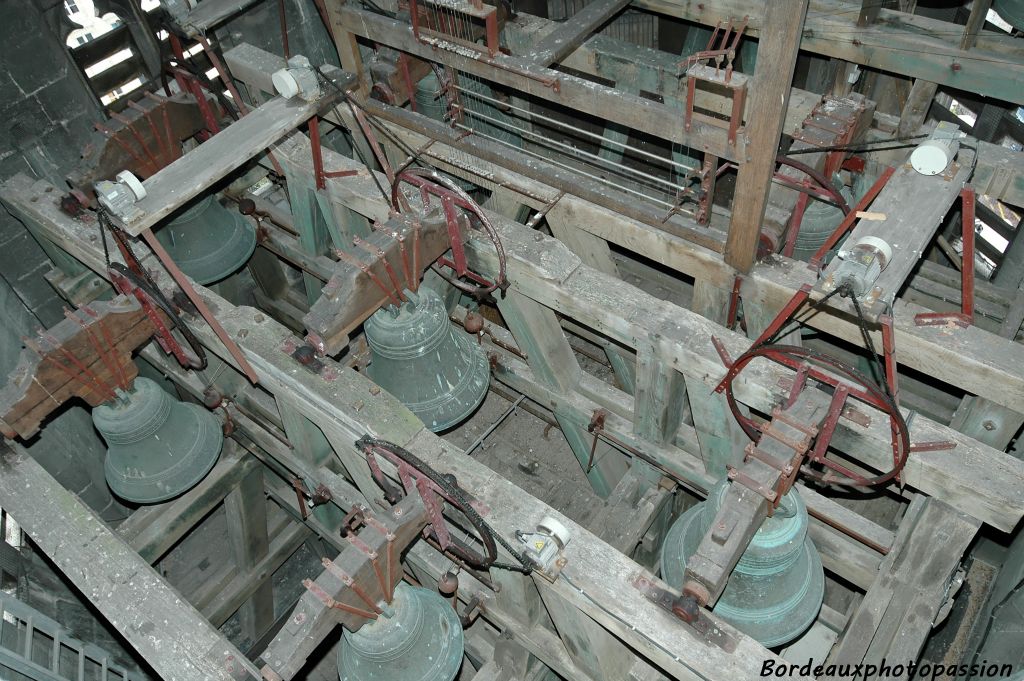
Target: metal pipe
[
  {"x": 569, "y": 126},
  {"x": 572, "y": 149},
  {"x": 569, "y": 168}
]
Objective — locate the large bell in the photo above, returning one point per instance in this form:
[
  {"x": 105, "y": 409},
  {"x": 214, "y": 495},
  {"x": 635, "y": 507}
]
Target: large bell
[
  {"x": 418, "y": 638},
  {"x": 1011, "y": 11},
  {"x": 776, "y": 590},
  {"x": 417, "y": 355},
  {"x": 208, "y": 241},
  {"x": 158, "y": 447}
]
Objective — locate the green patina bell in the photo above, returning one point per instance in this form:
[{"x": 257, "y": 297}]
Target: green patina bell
[
  {"x": 1011, "y": 11},
  {"x": 208, "y": 241},
  {"x": 417, "y": 355},
  {"x": 158, "y": 447},
  {"x": 418, "y": 638},
  {"x": 776, "y": 590}
]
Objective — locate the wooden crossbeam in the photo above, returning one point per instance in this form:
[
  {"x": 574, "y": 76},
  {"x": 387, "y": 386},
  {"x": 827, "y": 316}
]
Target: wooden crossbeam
[{"x": 554, "y": 47}]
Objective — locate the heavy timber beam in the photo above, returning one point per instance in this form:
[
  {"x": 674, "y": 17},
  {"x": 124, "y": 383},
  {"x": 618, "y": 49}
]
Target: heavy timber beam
[
  {"x": 975, "y": 360},
  {"x": 606, "y": 103},
  {"x": 166, "y": 631},
  {"x": 972, "y": 359},
  {"x": 350, "y": 405},
  {"x": 566, "y": 38},
  {"x": 603, "y": 302},
  {"x": 999, "y": 171},
  {"x": 963, "y": 476},
  {"x": 972, "y": 477},
  {"x": 896, "y": 616},
  {"x": 898, "y": 42},
  {"x": 769, "y": 95},
  {"x": 854, "y": 561},
  {"x": 178, "y": 183}
]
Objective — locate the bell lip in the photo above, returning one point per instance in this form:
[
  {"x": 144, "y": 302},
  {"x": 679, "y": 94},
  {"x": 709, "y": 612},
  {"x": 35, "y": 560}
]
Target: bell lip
[{"x": 798, "y": 618}]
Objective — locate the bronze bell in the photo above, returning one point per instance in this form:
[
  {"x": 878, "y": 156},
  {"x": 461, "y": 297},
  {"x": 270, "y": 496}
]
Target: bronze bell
[
  {"x": 158, "y": 447},
  {"x": 208, "y": 241},
  {"x": 418, "y": 356}
]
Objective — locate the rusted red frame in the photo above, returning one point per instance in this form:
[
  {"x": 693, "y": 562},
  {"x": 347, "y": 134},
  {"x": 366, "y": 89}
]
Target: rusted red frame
[
  {"x": 488, "y": 13},
  {"x": 739, "y": 98},
  {"x": 851, "y": 217},
  {"x": 965, "y": 317},
  {"x": 189, "y": 83},
  {"x": 318, "y": 158}
]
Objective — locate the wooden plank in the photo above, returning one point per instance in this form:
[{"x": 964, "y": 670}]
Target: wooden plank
[
  {"x": 538, "y": 333},
  {"x": 606, "y": 103},
  {"x": 908, "y": 44},
  {"x": 642, "y": 68},
  {"x": 626, "y": 315},
  {"x": 244, "y": 584},
  {"x": 975, "y": 22},
  {"x": 167, "y": 632},
  {"x": 896, "y": 615},
  {"x": 184, "y": 179},
  {"x": 769, "y": 94},
  {"x": 600, "y": 574},
  {"x": 660, "y": 397},
  {"x": 914, "y": 206},
  {"x": 246, "y": 509},
  {"x": 553, "y": 47},
  {"x": 979, "y": 361},
  {"x": 178, "y": 517}
]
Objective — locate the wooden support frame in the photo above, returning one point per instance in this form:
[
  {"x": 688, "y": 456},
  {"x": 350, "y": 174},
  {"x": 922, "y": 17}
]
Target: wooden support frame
[{"x": 773, "y": 75}]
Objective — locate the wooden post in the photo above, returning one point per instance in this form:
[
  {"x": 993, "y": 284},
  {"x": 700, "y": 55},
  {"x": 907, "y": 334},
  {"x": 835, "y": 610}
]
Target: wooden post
[
  {"x": 538, "y": 333},
  {"x": 246, "y": 509},
  {"x": 766, "y": 113}
]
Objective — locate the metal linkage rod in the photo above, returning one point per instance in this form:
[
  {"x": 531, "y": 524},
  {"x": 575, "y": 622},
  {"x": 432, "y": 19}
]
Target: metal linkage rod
[
  {"x": 596, "y": 178},
  {"x": 689, "y": 170},
  {"x": 547, "y": 141}
]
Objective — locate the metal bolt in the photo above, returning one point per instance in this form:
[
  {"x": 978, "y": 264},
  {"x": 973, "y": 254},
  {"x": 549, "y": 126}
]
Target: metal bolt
[
  {"x": 989, "y": 425},
  {"x": 305, "y": 355}
]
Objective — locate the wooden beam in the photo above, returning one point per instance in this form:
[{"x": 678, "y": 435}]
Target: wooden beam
[
  {"x": 246, "y": 509},
  {"x": 165, "y": 526},
  {"x": 896, "y": 616},
  {"x": 975, "y": 22},
  {"x": 178, "y": 183},
  {"x": 632, "y": 111},
  {"x": 167, "y": 632},
  {"x": 554, "y": 47},
  {"x": 769, "y": 94},
  {"x": 914, "y": 206},
  {"x": 600, "y": 575},
  {"x": 908, "y": 44},
  {"x": 538, "y": 333}
]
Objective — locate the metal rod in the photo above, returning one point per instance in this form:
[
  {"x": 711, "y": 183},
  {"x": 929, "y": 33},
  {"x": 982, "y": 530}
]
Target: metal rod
[
  {"x": 569, "y": 126},
  {"x": 596, "y": 178},
  {"x": 571, "y": 149},
  {"x": 490, "y": 429}
]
